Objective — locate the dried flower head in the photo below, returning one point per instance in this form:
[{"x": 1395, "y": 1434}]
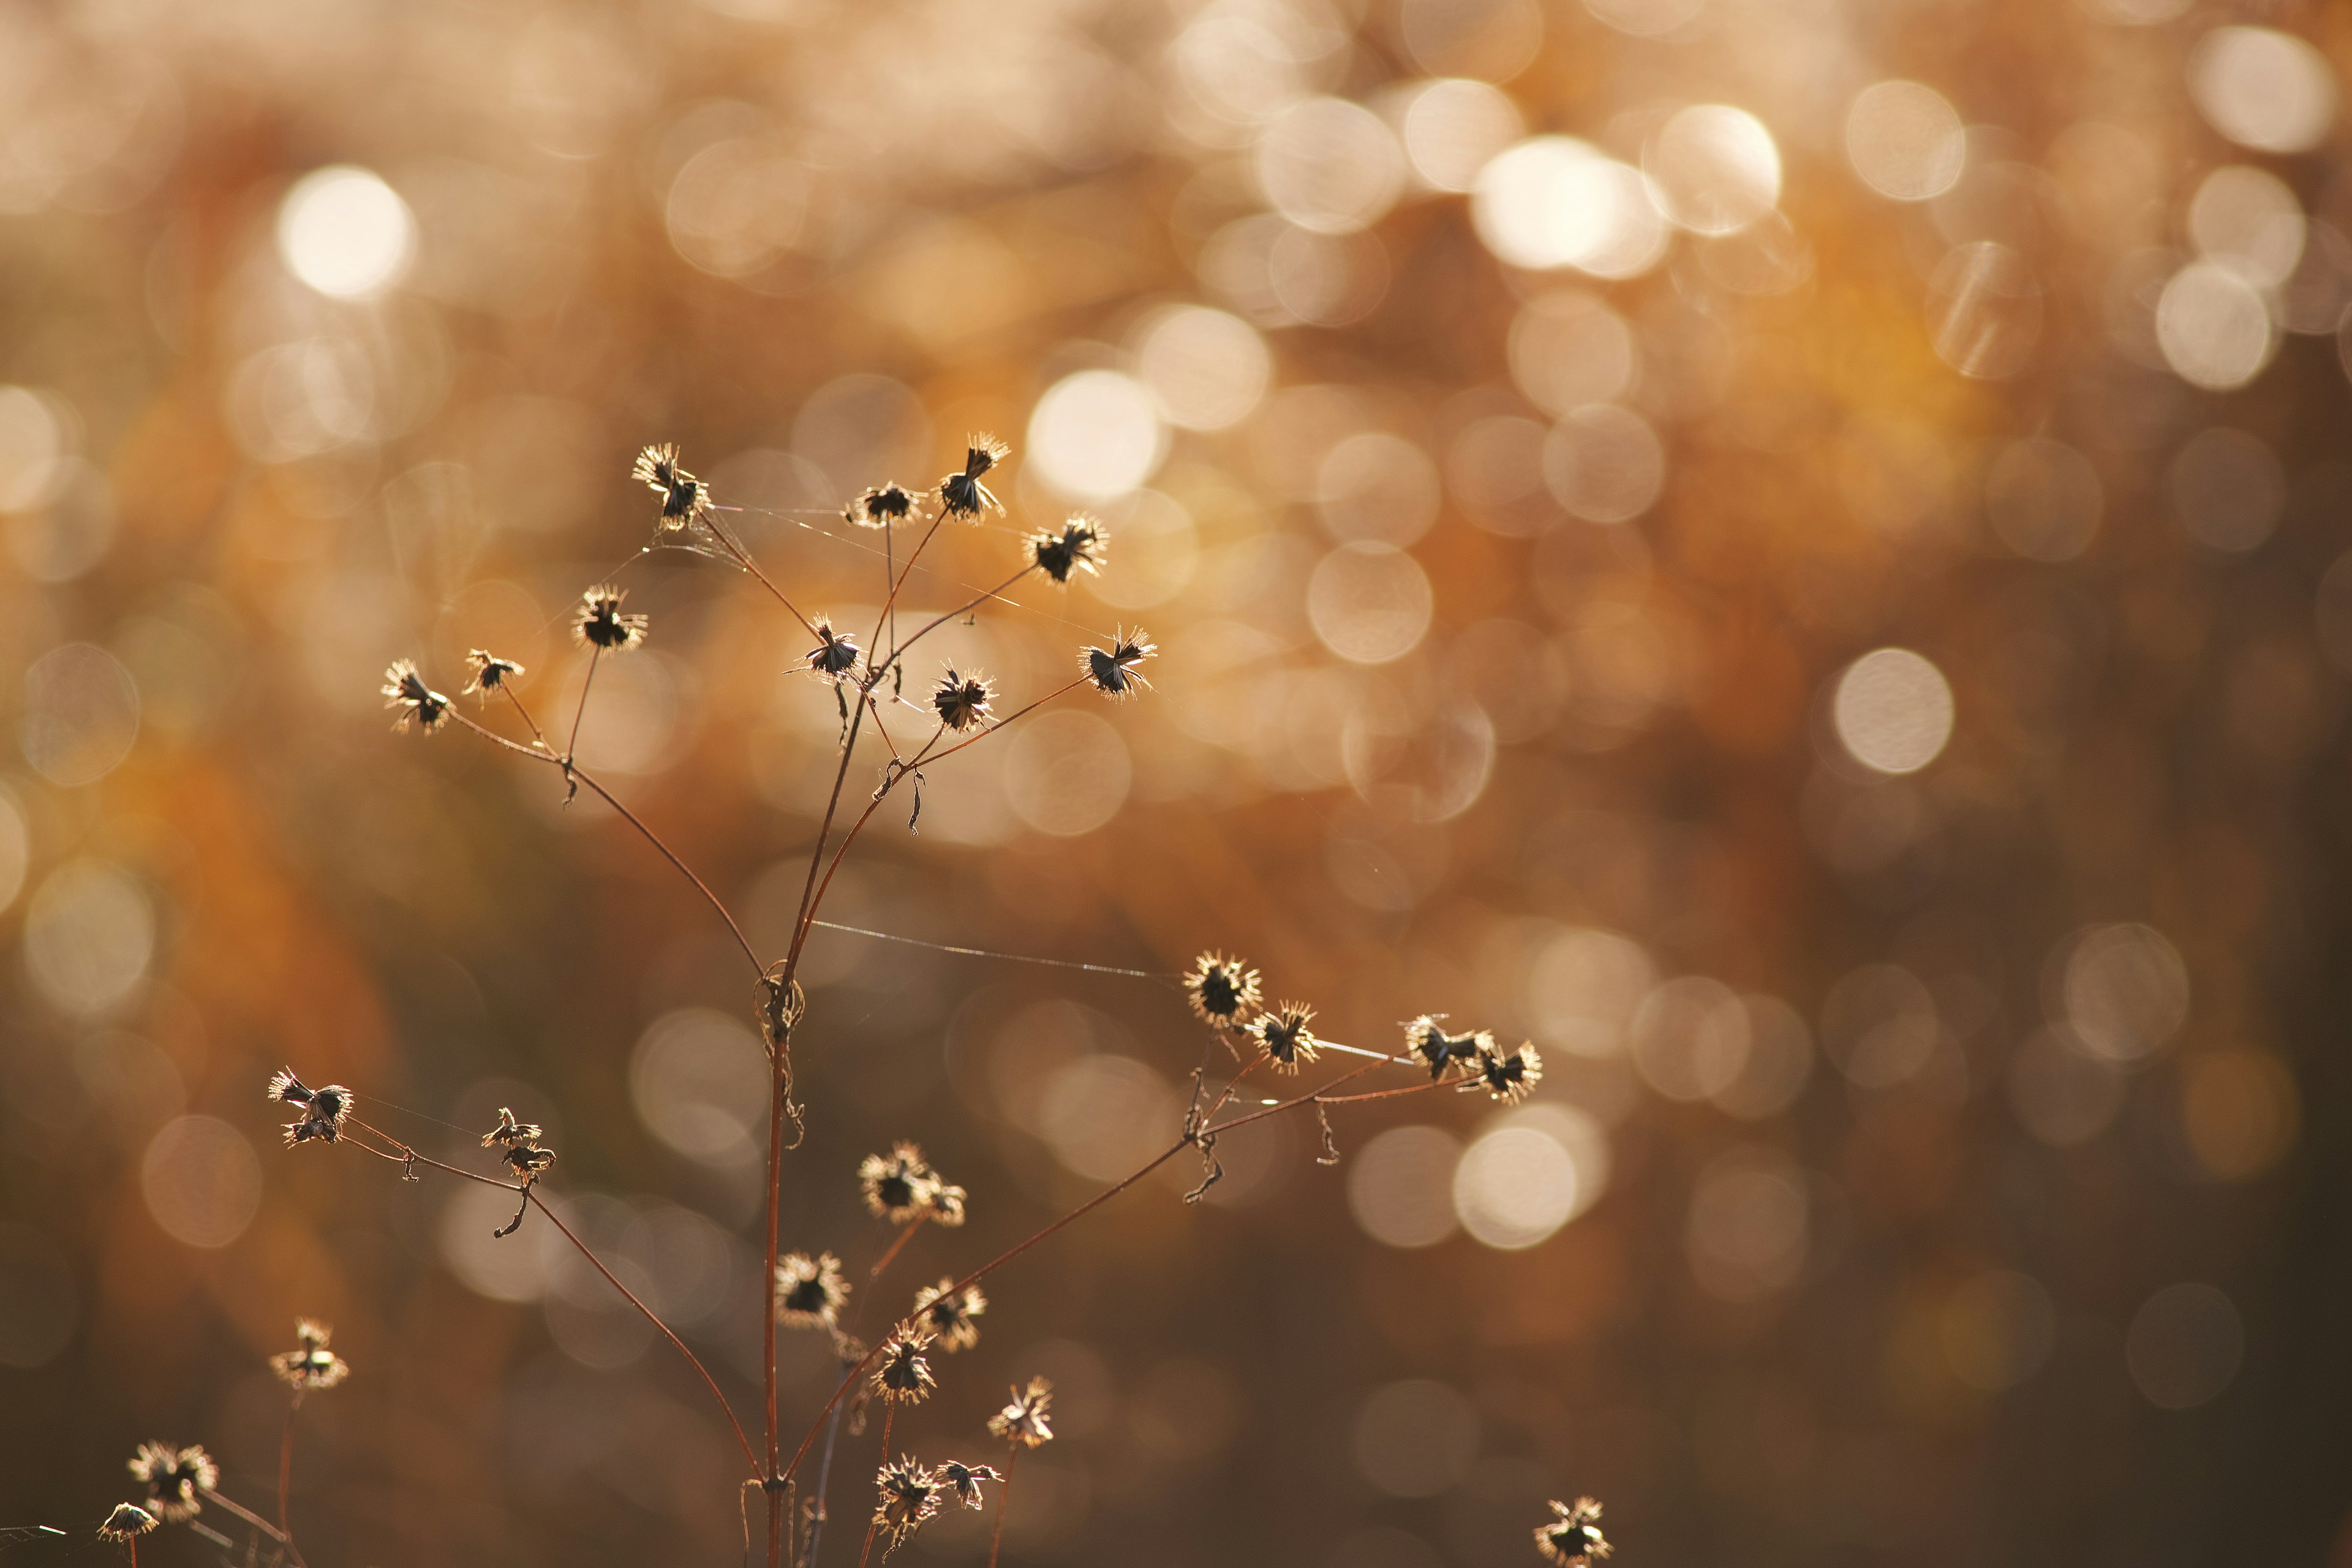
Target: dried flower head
[
  {"x": 1222, "y": 991},
  {"x": 1426, "y": 1038},
  {"x": 1077, "y": 548},
  {"x": 599, "y": 622},
  {"x": 911, "y": 1494},
  {"x": 527, "y": 1161},
  {"x": 1574, "y": 1536},
  {"x": 490, "y": 673},
  {"x": 944, "y": 1205},
  {"x": 1027, "y": 1420},
  {"x": 174, "y": 1477},
  {"x": 903, "y": 1375},
  {"x": 1117, "y": 670},
  {"x": 898, "y": 1185},
  {"x": 419, "y": 703},
  {"x": 1508, "y": 1077},
  {"x": 881, "y": 506},
  {"x": 311, "y": 1364},
  {"x": 962, "y": 701},
  {"x": 510, "y": 1132},
  {"x": 810, "y": 1291},
  {"x": 836, "y": 654},
  {"x": 126, "y": 1521},
  {"x": 949, "y": 1313},
  {"x": 1284, "y": 1035},
  {"x": 964, "y": 1480},
  {"x": 962, "y": 494},
  {"x": 684, "y": 497},
  {"x": 323, "y": 1110}
]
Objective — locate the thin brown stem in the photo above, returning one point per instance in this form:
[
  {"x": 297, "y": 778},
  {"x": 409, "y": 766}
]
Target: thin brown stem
[
  {"x": 537, "y": 734},
  {"x": 889, "y": 1413},
  {"x": 286, "y": 1463},
  {"x": 898, "y": 649},
  {"x": 750, "y": 1454},
  {"x": 1003, "y": 1499},
  {"x": 891, "y": 603},
  {"x": 259, "y": 1523},
  {"x": 905, "y": 1236},
  {"x": 574, "y": 771},
  {"x": 572, "y": 746},
  {"x": 744, "y": 559}
]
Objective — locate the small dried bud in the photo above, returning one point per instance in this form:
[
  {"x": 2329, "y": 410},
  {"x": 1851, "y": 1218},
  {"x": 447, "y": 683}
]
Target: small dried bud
[
  {"x": 962, "y": 494},
  {"x": 1077, "y": 548},
  {"x": 126, "y": 1521},
  {"x": 510, "y": 1132},
  {"x": 810, "y": 1292},
  {"x": 490, "y": 673},
  {"x": 1284, "y": 1035},
  {"x": 881, "y": 507},
  {"x": 836, "y": 654},
  {"x": 323, "y": 1110},
  {"x": 1116, "y": 671},
  {"x": 903, "y": 1375},
  {"x": 311, "y": 1364},
  {"x": 175, "y": 1478},
  {"x": 528, "y": 1161},
  {"x": 949, "y": 1313},
  {"x": 1426, "y": 1038},
  {"x": 1573, "y": 1539},
  {"x": 1222, "y": 991},
  {"x": 684, "y": 497},
  {"x": 962, "y": 701},
  {"x": 909, "y": 1495},
  {"x": 898, "y": 1186},
  {"x": 1027, "y": 1419},
  {"x": 405, "y": 689},
  {"x": 964, "y": 1480},
  {"x": 1508, "y": 1077},
  {"x": 599, "y": 622}
]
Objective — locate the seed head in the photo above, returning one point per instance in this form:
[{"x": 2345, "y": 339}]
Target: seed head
[
  {"x": 323, "y": 1109},
  {"x": 909, "y": 1495},
  {"x": 490, "y": 672},
  {"x": 510, "y": 1132},
  {"x": 903, "y": 1375},
  {"x": 128, "y": 1520},
  {"x": 599, "y": 622},
  {"x": 1222, "y": 991},
  {"x": 964, "y": 1480},
  {"x": 527, "y": 1161},
  {"x": 1117, "y": 670},
  {"x": 946, "y": 1209},
  {"x": 949, "y": 1313},
  {"x": 1507, "y": 1077},
  {"x": 684, "y": 497},
  {"x": 810, "y": 1291},
  {"x": 962, "y": 494},
  {"x": 405, "y": 689},
  {"x": 1284, "y": 1035},
  {"x": 1077, "y": 548},
  {"x": 174, "y": 1477},
  {"x": 1426, "y": 1038},
  {"x": 836, "y": 654},
  {"x": 898, "y": 1185},
  {"x": 311, "y": 1364},
  {"x": 1573, "y": 1539},
  {"x": 1027, "y": 1420},
  {"x": 881, "y": 507},
  {"x": 962, "y": 700}
]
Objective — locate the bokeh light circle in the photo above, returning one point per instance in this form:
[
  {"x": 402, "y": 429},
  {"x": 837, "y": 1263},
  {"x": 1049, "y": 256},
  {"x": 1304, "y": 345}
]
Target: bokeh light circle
[
  {"x": 2213, "y": 327},
  {"x": 1893, "y": 710},
  {"x": 1715, "y": 169},
  {"x": 2262, "y": 89},
  {"x": 1096, "y": 435},
  {"x": 345, "y": 232},
  {"x": 89, "y": 935},
  {"x": 1067, "y": 772},
  {"x": 201, "y": 1180},
  {"x": 1400, "y": 1186},
  {"x": 1515, "y": 1187},
  {"x": 1330, "y": 166},
  {"x": 1906, "y": 140},
  {"x": 80, "y": 714},
  {"x": 1369, "y": 601},
  {"x": 1207, "y": 368}
]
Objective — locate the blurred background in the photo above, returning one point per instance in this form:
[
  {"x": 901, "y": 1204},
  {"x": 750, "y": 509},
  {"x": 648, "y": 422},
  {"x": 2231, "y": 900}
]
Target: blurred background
[{"x": 1791, "y": 554}]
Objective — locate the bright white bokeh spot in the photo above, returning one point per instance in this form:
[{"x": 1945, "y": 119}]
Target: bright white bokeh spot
[
  {"x": 201, "y": 1180},
  {"x": 1568, "y": 349},
  {"x": 1401, "y": 1186},
  {"x": 2248, "y": 221},
  {"x": 1369, "y": 601},
  {"x": 1330, "y": 165},
  {"x": 1096, "y": 435},
  {"x": 346, "y": 233},
  {"x": 1715, "y": 169},
  {"x": 1454, "y": 128},
  {"x": 2214, "y": 328},
  {"x": 2262, "y": 89},
  {"x": 1553, "y": 201},
  {"x": 1208, "y": 369},
  {"x": 1515, "y": 1187},
  {"x": 1893, "y": 710},
  {"x": 699, "y": 1079},
  {"x": 1067, "y": 772},
  {"x": 1906, "y": 141},
  {"x": 89, "y": 935}
]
